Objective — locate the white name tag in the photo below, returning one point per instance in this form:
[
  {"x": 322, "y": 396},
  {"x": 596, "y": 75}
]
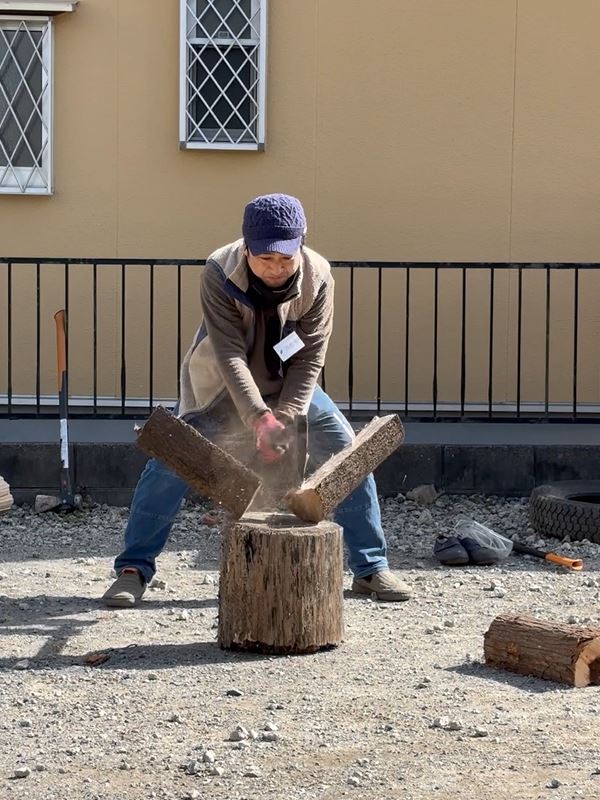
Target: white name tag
[{"x": 287, "y": 347}]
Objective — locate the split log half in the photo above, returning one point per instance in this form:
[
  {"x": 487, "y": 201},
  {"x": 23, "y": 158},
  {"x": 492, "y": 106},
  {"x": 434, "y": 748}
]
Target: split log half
[
  {"x": 281, "y": 585},
  {"x": 203, "y": 465},
  {"x": 550, "y": 650},
  {"x": 343, "y": 472}
]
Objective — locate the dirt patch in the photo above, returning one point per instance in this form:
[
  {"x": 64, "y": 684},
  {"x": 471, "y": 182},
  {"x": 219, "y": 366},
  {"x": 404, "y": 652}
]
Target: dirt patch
[{"x": 403, "y": 709}]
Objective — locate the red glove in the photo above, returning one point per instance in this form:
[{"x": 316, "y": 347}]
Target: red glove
[{"x": 271, "y": 437}]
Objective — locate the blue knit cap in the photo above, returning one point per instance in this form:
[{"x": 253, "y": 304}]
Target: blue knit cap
[{"x": 274, "y": 223}]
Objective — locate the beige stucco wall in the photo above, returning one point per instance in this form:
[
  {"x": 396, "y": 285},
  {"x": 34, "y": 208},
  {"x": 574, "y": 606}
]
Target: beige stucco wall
[{"x": 423, "y": 130}]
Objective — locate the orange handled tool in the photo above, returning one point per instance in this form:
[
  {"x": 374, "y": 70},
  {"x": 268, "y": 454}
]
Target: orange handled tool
[
  {"x": 575, "y": 564},
  {"x": 67, "y": 502}
]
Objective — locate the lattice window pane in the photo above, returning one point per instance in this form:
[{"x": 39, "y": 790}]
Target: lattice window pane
[
  {"x": 222, "y": 19},
  {"x": 25, "y": 98},
  {"x": 223, "y": 73}
]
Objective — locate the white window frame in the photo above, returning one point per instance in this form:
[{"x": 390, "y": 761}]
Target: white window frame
[
  {"x": 185, "y": 44},
  {"x": 18, "y": 181}
]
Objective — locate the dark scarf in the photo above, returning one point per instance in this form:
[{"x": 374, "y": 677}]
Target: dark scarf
[{"x": 265, "y": 300}]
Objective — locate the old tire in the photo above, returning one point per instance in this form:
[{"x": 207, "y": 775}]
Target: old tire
[{"x": 566, "y": 508}]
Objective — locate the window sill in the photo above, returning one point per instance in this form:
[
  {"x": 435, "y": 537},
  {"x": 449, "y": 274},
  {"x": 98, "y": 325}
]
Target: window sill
[
  {"x": 253, "y": 146},
  {"x": 44, "y": 7}
]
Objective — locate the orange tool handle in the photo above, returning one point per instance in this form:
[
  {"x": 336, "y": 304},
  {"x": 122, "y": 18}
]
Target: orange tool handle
[
  {"x": 570, "y": 563},
  {"x": 61, "y": 345}
]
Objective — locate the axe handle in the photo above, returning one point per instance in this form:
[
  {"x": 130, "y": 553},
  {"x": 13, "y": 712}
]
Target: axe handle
[
  {"x": 575, "y": 564},
  {"x": 60, "y": 318}
]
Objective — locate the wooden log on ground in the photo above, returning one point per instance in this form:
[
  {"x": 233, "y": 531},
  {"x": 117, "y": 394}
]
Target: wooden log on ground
[
  {"x": 6, "y": 498},
  {"x": 550, "y": 650},
  {"x": 203, "y": 465},
  {"x": 280, "y": 589},
  {"x": 343, "y": 472}
]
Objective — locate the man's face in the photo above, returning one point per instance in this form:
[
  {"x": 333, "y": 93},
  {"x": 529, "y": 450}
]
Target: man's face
[{"x": 274, "y": 269}]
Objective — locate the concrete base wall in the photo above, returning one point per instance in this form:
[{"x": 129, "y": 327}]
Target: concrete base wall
[{"x": 109, "y": 472}]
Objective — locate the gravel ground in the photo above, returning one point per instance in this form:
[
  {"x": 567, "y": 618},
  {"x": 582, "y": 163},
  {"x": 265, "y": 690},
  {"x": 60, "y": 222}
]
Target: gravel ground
[{"x": 403, "y": 709}]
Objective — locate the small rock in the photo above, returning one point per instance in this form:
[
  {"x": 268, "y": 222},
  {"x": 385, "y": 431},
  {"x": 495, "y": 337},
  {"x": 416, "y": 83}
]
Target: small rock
[
  {"x": 424, "y": 495},
  {"x": 553, "y": 784},
  {"x": 156, "y": 583},
  {"x": 252, "y": 772},
  {"x": 209, "y": 580},
  {"x": 193, "y": 767},
  {"x": 234, "y": 693},
  {"x": 238, "y": 734},
  {"x": 270, "y": 736},
  {"x": 216, "y": 771},
  {"x": 22, "y": 772},
  {"x": 479, "y": 733},
  {"x": 175, "y": 718},
  {"x": 45, "y": 502},
  {"x": 270, "y": 726},
  {"x": 447, "y": 724},
  {"x": 25, "y": 723},
  {"x": 22, "y": 664},
  {"x": 354, "y": 780}
]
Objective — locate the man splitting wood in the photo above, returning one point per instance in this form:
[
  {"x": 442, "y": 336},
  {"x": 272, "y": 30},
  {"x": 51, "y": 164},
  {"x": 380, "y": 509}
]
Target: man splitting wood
[{"x": 267, "y": 311}]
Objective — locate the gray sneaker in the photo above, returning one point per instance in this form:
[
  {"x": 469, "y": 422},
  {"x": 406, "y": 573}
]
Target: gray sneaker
[
  {"x": 384, "y": 584},
  {"x": 126, "y": 590}
]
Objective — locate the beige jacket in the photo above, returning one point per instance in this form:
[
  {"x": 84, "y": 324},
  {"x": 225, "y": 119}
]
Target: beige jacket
[{"x": 217, "y": 361}]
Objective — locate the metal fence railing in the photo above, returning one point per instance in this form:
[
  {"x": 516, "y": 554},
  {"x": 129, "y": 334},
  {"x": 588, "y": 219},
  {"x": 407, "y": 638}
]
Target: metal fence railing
[{"x": 429, "y": 340}]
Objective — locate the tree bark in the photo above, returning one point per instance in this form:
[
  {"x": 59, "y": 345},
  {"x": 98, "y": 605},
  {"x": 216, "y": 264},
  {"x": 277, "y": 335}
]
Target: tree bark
[
  {"x": 203, "y": 465},
  {"x": 281, "y": 585},
  {"x": 343, "y": 472},
  {"x": 550, "y": 650}
]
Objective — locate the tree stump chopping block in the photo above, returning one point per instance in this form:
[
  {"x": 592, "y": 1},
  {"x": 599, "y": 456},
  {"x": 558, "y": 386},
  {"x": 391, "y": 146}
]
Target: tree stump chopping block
[
  {"x": 553, "y": 651},
  {"x": 325, "y": 489},
  {"x": 203, "y": 465},
  {"x": 281, "y": 585}
]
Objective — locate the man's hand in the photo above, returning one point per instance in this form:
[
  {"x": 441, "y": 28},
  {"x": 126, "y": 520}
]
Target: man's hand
[
  {"x": 271, "y": 437},
  {"x": 285, "y": 417}
]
